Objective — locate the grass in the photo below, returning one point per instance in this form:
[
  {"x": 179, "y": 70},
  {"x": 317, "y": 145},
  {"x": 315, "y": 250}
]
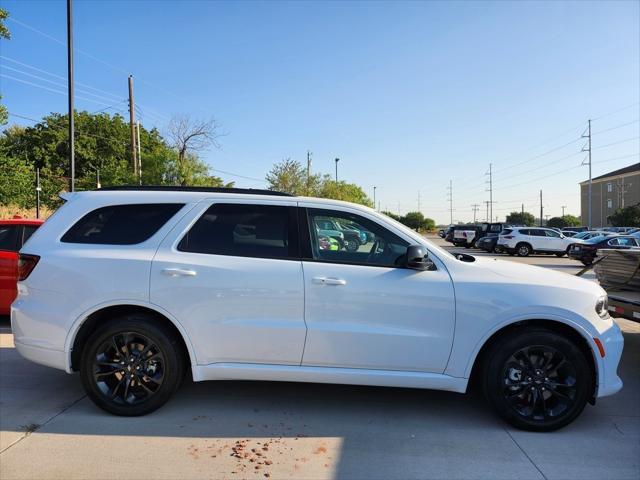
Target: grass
[{"x": 9, "y": 211}]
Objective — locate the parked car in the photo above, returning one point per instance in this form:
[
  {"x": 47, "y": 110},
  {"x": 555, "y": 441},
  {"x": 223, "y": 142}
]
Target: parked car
[
  {"x": 568, "y": 233},
  {"x": 575, "y": 229},
  {"x": 467, "y": 235},
  {"x": 587, "y": 251},
  {"x": 527, "y": 240},
  {"x": 352, "y": 238},
  {"x": 13, "y": 234},
  {"x": 134, "y": 287},
  {"x": 488, "y": 243},
  {"x": 592, "y": 233}
]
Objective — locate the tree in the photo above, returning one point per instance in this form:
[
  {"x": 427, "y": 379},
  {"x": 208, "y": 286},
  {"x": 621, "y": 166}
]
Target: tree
[
  {"x": 566, "y": 221},
  {"x": 625, "y": 217},
  {"x": 102, "y": 148},
  {"x": 521, "y": 218},
  {"x": 392, "y": 215},
  {"x": 288, "y": 176},
  {"x": 417, "y": 221},
  {"x": 189, "y": 136}
]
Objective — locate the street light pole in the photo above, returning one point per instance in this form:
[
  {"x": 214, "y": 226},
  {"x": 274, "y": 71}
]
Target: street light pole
[
  {"x": 374, "y": 197},
  {"x": 337, "y": 160},
  {"x": 72, "y": 153}
]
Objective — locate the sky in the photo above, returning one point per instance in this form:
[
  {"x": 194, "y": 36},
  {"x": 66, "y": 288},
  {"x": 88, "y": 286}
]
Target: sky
[{"x": 409, "y": 96}]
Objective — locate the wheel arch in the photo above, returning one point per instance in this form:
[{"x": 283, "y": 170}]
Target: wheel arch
[
  {"x": 569, "y": 330},
  {"x": 90, "y": 320}
]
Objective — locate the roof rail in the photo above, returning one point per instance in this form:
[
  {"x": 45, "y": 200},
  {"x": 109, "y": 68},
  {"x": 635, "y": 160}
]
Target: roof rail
[{"x": 171, "y": 188}]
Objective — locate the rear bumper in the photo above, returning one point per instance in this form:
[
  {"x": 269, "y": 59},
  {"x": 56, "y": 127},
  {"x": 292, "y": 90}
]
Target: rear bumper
[{"x": 43, "y": 356}]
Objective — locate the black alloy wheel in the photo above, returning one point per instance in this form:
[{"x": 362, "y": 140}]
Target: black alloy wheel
[
  {"x": 537, "y": 379},
  {"x": 132, "y": 365}
]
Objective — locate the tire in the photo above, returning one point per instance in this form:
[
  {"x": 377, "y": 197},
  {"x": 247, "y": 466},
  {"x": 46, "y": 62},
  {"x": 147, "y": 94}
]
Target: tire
[
  {"x": 149, "y": 380},
  {"x": 560, "y": 254},
  {"x": 524, "y": 249},
  {"x": 537, "y": 399},
  {"x": 350, "y": 246},
  {"x": 586, "y": 261}
]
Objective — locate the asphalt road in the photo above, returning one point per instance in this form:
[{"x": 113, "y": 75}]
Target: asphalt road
[{"x": 49, "y": 429}]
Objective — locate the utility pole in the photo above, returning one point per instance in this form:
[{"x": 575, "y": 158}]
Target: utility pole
[
  {"x": 522, "y": 210},
  {"x": 487, "y": 203},
  {"x": 541, "y": 208},
  {"x": 418, "y": 200},
  {"x": 450, "y": 195},
  {"x": 563, "y": 207},
  {"x": 139, "y": 152},
  {"x": 72, "y": 152},
  {"x": 490, "y": 191},
  {"x": 374, "y": 196},
  {"x": 475, "y": 208},
  {"x": 308, "y": 172},
  {"x": 337, "y": 160},
  {"x": 622, "y": 190},
  {"x": 588, "y": 149},
  {"x": 132, "y": 124},
  {"x": 38, "y": 190}
]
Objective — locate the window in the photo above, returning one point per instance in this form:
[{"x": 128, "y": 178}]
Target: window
[
  {"x": 244, "y": 230},
  {"x": 364, "y": 243},
  {"x": 609, "y": 203},
  {"x": 537, "y": 233},
  {"x": 121, "y": 224},
  {"x": 551, "y": 233},
  {"x": 627, "y": 242},
  {"x": 506, "y": 231},
  {"x": 28, "y": 231},
  {"x": 9, "y": 237},
  {"x": 609, "y": 187}
]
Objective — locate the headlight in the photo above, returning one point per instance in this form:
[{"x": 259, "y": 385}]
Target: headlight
[{"x": 602, "y": 306}]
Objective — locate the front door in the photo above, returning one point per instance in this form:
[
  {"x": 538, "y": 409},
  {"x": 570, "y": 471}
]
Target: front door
[
  {"x": 234, "y": 281},
  {"x": 363, "y": 310}
]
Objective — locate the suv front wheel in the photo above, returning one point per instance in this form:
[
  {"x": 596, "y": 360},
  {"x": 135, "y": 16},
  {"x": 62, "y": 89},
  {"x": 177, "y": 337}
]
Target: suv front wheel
[
  {"x": 131, "y": 366},
  {"x": 537, "y": 380},
  {"x": 524, "y": 249}
]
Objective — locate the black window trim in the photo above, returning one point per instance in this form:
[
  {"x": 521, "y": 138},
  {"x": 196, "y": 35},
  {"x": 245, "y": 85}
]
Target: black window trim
[
  {"x": 305, "y": 240},
  {"x": 293, "y": 225}
]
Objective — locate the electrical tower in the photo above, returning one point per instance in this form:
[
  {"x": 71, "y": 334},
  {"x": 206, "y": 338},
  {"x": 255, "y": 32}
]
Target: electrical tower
[
  {"x": 587, "y": 148},
  {"x": 450, "y": 198},
  {"x": 490, "y": 182}
]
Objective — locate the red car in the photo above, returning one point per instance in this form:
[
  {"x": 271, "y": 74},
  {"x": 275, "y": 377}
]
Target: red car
[{"x": 13, "y": 234}]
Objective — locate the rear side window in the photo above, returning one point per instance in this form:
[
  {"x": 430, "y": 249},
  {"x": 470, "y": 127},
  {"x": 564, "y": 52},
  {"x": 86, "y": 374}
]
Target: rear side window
[
  {"x": 9, "y": 238},
  {"x": 121, "y": 224},
  {"x": 28, "y": 231},
  {"x": 266, "y": 231},
  {"x": 506, "y": 231}
]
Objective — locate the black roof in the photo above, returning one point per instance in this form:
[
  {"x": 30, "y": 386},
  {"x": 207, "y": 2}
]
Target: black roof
[
  {"x": 171, "y": 188},
  {"x": 621, "y": 171}
]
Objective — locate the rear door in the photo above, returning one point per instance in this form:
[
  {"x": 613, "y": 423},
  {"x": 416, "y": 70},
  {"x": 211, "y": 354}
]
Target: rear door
[{"x": 231, "y": 273}]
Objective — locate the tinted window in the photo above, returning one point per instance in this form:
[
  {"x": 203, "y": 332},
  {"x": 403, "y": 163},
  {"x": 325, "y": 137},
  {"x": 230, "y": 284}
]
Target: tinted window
[
  {"x": 265, "y": 231},
  {"x": 551, "y": 233},
  {"x": 495, "y": 228},
  {"x": 28, "y": 231},
  {"x": 506, "y": 231},
  {"x": 368, "y": 243},
  {"x": 121, "y": 224},
  {"x": 524, "y": 231},
  {"x": 9, "y": 238},
  {"x": 536, "y": 233}
]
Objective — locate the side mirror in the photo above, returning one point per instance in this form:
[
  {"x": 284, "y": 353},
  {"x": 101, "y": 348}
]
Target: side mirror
[{"x": 417, "y": 258}]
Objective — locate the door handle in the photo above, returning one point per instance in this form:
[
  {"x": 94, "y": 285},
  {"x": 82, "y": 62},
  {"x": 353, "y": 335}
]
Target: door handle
[
  {"x": 329, "y": 281},
  {"x": 179, "y": 272}
]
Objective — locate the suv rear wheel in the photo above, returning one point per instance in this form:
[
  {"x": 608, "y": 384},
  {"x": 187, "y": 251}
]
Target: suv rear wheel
[
  {"x": 131, "y": 366},
  {"x": 537, "y": 379},
  {"x": 524, "y": 249}
]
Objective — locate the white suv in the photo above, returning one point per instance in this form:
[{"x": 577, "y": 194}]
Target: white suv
[
  {"x": 134, "y": 287},
  {"x": 527, "y": 240}
]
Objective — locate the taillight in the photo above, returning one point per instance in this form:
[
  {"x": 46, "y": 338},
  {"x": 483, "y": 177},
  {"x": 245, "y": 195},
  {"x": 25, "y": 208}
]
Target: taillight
[
  {"x": 508, "y": 237},
  {"x": 26, "y": 264}
]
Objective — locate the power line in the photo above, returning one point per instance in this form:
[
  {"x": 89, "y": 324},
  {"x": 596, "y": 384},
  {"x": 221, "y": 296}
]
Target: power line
[
  {"x": 617, "y": 127},
  {"x": 50, "y": 89},
  {"x": 618, "y": 142}
]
